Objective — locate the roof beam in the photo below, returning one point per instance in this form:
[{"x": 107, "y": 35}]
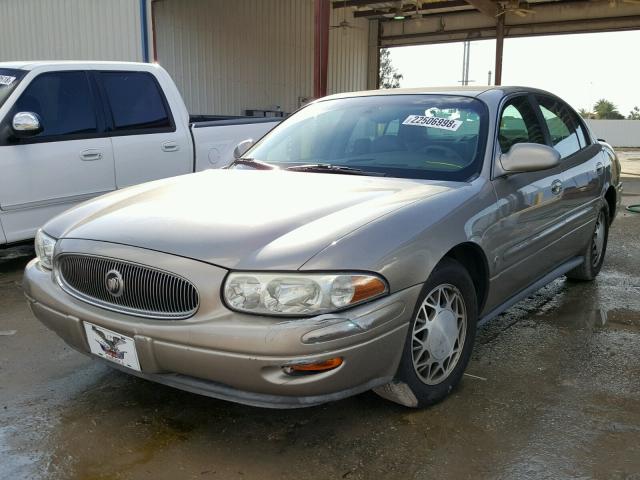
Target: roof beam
[
  {"x": 410, "y": 9},
  {"x": 485, "y": 6},
  {"x": 615, "y": 24},
  {"x": 352, "y": 3}
]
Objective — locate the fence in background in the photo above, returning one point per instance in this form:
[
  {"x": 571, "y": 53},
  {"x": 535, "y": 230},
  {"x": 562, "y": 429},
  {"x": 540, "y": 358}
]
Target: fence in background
[{"x": 618, "y": 133}]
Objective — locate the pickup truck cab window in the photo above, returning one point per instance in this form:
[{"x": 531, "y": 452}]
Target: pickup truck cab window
[
  {"x": 136, "y": 101},
  {"x": 519, "y": 124},
  {"x": 563, "y": 128},
  {"x": 64, "y": 103},
  {"x": 439, "y": 137}
]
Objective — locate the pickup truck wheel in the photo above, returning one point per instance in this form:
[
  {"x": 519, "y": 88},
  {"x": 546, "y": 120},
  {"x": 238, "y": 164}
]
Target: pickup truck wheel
[
  {"x": 595, "y": 251},
  {"x": 439, "y": 341}
]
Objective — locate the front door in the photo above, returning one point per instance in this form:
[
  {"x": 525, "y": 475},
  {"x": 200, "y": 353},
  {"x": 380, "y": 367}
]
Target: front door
[
  {"x": 64, "y": 164},
  {"x": 529, "y": 208}
]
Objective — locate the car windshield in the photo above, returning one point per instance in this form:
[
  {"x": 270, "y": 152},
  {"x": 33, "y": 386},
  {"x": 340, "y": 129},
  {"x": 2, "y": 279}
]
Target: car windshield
[
  {"x": 9, "y": 80},
  {"x": 439, "y": 137}
]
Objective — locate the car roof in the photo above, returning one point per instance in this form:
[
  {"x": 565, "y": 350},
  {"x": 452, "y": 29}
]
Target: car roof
[
  {"x": 468, "y": 91},
  {"x": 33, "y": 64}
]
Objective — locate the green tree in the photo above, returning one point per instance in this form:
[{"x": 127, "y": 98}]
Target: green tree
[
  {"x": 634, "y": 114},
  {"x": 604, "y": 109},
  {"x": 584, "y": 113},
  {"x": 388, "y": 75}
]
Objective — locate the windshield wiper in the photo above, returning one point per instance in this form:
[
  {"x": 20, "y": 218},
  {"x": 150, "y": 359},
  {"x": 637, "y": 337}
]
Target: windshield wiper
[
  {"x": 328, "y": 168},
  {"x": 252, "y": 162}
]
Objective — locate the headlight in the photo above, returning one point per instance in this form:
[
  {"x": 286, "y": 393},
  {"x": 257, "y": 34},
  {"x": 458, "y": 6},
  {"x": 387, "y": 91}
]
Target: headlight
[
  {"x": 44, "y": 249},
  {"x": 299, "y": 294}
]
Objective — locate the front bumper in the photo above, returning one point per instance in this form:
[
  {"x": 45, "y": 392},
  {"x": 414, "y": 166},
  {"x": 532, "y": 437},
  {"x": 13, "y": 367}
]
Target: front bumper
[{"x": 232, "y": 356}]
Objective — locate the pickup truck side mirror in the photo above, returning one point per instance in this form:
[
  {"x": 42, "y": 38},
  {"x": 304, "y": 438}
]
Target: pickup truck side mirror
[
  {"x": 26, "y": 124},
  {"x": 529, "y": 157},
  {"x": 242, "y": 147}
]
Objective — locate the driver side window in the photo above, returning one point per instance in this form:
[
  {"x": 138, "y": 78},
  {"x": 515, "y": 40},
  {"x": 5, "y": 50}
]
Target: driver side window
[
  {"x": 63, "y": 101},
  {"x": 519, "y": 124}
]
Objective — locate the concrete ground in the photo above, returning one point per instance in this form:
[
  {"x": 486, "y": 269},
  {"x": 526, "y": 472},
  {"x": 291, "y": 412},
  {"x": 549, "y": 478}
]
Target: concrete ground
[{"x": 554, "y": 392}]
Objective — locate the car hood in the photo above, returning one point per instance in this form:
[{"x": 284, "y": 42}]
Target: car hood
[{"x": 241, "y": 219}]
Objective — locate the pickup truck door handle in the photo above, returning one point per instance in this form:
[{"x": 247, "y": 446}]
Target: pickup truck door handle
[
  {"x": 170, "y": 147},
  {"x": 556, "y": 187},
  {"x": 90, "y": 155},
  {"x": 599, "y": 167}
]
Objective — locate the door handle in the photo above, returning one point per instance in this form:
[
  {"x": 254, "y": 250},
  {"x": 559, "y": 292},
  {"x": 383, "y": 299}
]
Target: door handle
[
  {"x": 556, "y": 187},
  {"x": 599, "y": 167},
  {"x": 90, "y": 155},
  {"x": 170, "y": 147}
]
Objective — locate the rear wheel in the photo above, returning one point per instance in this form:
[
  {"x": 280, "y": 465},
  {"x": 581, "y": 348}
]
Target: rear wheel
[
  {"x": 440, "y": 339},
  {"x": 595, "y": 251}
]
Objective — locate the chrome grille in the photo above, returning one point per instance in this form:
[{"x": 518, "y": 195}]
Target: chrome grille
[{"x": 146, "y": 291}]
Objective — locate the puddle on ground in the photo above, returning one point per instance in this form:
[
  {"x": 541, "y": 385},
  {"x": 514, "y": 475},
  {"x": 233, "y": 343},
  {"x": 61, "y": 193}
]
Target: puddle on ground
[
  {"x": 16, "y": 252},
  {"x": 596, "y": 319},
  {"x": 611, "y": 302}
]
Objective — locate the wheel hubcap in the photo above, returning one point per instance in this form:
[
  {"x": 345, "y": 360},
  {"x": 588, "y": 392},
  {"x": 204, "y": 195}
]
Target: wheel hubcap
[
  {"x": 597, "y": 244},
  {"x": 438, "y": 334}
]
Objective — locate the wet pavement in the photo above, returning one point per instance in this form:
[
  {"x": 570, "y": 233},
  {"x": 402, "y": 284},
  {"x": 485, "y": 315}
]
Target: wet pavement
[{"x": 554, "y": 392}]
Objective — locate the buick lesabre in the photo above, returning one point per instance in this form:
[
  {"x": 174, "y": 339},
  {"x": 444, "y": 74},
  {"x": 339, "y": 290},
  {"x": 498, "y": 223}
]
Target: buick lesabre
[{"x": 357, "y": 246}]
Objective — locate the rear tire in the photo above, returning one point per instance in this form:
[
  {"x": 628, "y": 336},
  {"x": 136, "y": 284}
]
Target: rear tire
[
  {"x": 439, "y": 341},
  {"x": 595, "y": 251}
]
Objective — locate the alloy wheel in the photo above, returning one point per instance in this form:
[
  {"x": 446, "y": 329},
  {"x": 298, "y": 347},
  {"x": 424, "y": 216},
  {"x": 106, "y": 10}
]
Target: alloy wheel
[
  {"x": 597, "y": 244},
  {"x": 439, "y": 333}
]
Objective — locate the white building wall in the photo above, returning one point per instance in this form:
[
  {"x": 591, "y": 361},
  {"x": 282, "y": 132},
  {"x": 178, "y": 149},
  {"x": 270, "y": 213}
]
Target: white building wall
[
  {"x": 70, "y": 30},
  {"x": 618, "y": 133},
  {"x": 230, "y": 56},
  {"x": 348, "y": 53}
]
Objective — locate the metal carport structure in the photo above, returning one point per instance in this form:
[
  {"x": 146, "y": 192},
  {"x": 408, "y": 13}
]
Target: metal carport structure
[
  {"x": 247, "y": 55},
  {"x": 415, "y": 22}
]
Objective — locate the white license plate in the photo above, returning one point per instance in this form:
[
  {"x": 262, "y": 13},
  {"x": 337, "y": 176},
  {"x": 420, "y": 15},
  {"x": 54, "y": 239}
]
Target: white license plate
[{"x": 113, "y": 346}]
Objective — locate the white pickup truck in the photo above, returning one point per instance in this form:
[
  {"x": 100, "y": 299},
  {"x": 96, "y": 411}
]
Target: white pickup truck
[{"x": 70, "y": 131}]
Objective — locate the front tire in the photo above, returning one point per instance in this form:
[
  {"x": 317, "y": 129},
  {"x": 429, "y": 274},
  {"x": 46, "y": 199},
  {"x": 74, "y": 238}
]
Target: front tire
[
  {"x": 439, "y": 341},
  {"x": 595, "y": 251}
]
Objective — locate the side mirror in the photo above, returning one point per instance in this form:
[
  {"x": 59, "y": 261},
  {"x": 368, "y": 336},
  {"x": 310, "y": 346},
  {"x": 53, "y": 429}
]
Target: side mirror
[
  {"x": 242, "y": 147},
  {"x": 529, "y": 157},
  {"x": 25, "y": 124}
]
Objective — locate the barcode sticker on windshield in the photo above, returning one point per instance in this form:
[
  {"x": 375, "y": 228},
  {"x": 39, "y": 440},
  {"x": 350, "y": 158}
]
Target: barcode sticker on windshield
[
  {"x": 6, "y": 80},
  {"x": 432, "y": 122}
]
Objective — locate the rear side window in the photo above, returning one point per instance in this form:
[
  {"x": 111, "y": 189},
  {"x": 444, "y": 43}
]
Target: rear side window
[
  {"x": 9, "y": 80},
  {"x": 63, "y": 101},
  {"x": 563, "y": 127},
  {"x": 519, "y": 124},
  {"x": 136, "y": 101}
]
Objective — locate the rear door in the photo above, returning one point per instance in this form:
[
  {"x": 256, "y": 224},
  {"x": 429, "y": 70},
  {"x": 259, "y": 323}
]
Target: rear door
[
  {"x": 529, "y": 207},
  {"x": 69, "y": 161},
  {"x": 148, "y": 143},
  {"x": 582, "y": 165}
]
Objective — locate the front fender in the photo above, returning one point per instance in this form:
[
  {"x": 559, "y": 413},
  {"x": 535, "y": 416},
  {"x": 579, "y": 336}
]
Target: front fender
[{"x": 407, "y": 244}]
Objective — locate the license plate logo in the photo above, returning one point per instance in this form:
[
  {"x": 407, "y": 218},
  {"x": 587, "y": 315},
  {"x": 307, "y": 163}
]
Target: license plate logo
[{"x": 113, "y": 346}]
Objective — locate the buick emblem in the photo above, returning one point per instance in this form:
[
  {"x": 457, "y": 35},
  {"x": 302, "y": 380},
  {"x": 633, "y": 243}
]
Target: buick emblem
[{"x": 114, "y": 283}]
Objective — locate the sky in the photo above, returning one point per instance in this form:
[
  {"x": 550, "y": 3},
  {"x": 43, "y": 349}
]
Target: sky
[{"x": 581, "y": 69}]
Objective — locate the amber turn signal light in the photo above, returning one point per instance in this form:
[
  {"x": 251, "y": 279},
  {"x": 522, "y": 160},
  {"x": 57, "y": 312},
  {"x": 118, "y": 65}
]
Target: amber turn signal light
[
  {"x": 367, "y": 287},
  {"x": 317, "y": 367}
]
